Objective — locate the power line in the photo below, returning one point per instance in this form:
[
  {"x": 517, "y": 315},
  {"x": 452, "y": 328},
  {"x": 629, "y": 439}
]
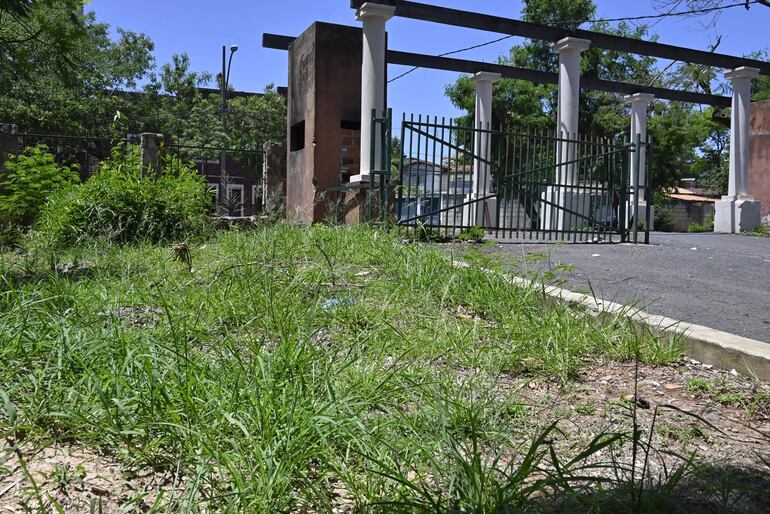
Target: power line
[
  {"x": 704, "y": 10},
  {"x": 746, "y": 4},
  {"x": 453, "y": 52}
]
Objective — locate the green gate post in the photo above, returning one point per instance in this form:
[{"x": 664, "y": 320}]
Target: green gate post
[
  {"x": 638, "y": 159},
  {"x": 648, "y": 193},
  {"x": 387, "y": 141},
  {"x": 623, "y": 222}
]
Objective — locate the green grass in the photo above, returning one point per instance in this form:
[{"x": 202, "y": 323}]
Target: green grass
[
  {"x": 243, "y": 376},
  {"x": 760, "y": 231},
  {"x": 722, "y": 392}
]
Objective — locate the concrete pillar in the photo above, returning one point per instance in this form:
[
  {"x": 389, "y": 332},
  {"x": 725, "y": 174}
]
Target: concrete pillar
[
  {"x": 373, "y": 75},
  {"x": 484, "y": 212},
  {"x": 569, "y": 50},
  {"x": 565, "y": 195},
  {"x": 640, "y": 103},
  {"x": 738, "y": 211},
  {"x": 149, "y": 150}
]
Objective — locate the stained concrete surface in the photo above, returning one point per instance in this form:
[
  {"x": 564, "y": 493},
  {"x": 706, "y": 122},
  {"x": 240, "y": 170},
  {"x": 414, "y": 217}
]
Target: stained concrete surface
[{"x": 721, "y": 281}]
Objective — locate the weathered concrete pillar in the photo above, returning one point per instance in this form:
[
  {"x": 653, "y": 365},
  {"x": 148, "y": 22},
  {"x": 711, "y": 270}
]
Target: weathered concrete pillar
[
  {"x": 484, "y": 213},
  {"x": 373, "y": 75},
  {"x": 149, "y": 150},
  {"x": 640, "y": 103},
  {"x": 564, "y": 204},
  {"x": 738, "y": 211}
]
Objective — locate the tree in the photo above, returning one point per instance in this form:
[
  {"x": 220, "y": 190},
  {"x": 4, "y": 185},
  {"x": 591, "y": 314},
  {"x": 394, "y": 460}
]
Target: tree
[
  {"x": 708, "y": 10},
  {"x": 526, "y": 105},
  {"x": 687, "y": 139},
  {"x": 180, "y": 110},
  {"x": 27, "y": 26},
  {"x": 64, "y": 79},
  {"x": 82, "y": 94}
]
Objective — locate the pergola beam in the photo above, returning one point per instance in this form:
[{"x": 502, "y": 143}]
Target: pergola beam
[
  {"x": 279, "y": 42},
  {"x": 542, "y": 77},
  {"x": 500, "y": 25}
]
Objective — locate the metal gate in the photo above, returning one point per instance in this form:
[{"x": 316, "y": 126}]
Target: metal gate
[{"x": 520, "y": 185}]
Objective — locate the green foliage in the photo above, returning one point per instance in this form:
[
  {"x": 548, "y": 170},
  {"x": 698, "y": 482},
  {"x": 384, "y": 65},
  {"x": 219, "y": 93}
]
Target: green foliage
[
  {"x": 120, "y": 206},
  {"x": 760, "y": 231},
  {"x": 664, "y": 218},
  {"x": 427, "y": 234},
  {"x": 64, "y": 80},
  {"x": 81, "y": 74},
  {"x": 708, "y": 226},
  {"x": 687, "y": 140},
  {"x": 192, "y": 118},
  {"x": 472, "y": 235},
  {"x": 522, "y": 104},
  {"x": 30, "y": 179},
  {"x": 255, "y": 396},
  {"x": 721, "y": 391}
]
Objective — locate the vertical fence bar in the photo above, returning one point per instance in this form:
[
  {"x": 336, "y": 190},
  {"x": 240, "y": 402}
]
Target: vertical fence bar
[
  {"x": 648, "y": 192},
  {"x": 399, "y": 195},
  {"x": 409, "y": 215},
  {"x": 637, "y": 158},
  {"x": 418, "y": 197},
  {"x": 623, "y": 222}
]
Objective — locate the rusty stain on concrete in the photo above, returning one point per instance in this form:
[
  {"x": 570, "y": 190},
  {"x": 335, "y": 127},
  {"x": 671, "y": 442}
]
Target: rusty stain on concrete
[{"x": 759, "y": 155}]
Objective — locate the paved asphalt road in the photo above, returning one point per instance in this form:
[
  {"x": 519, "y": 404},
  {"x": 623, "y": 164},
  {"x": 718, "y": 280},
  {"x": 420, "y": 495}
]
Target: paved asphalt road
[{"x": 716, "y": 280}]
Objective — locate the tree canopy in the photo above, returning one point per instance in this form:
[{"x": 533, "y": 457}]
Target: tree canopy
[
  {"x": 689, "y": 140},
  {"x": 68, "y": 76}
]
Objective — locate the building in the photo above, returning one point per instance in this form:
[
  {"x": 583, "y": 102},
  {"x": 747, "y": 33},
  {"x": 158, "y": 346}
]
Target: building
[{"x": 689, "y": 207}]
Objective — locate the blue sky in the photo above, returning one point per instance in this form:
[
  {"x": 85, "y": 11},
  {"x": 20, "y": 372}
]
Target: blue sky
[{"x": 200, "y": 28}]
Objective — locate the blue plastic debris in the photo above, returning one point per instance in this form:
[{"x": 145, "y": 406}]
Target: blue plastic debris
[{"x": 334, "y": 302}]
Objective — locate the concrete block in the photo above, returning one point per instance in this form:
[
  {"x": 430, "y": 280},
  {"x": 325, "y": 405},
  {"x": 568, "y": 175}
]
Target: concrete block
[
  {"x": 149, "y": 150},
  {"x": 737, "y": 214},
  {"x": 560, "y": 200}
]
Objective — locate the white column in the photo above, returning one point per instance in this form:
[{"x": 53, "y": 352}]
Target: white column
[
  {"x": 553, "y": 214},
  {"x": 373, "y": 17},
  {"x": 485, "y": 212},
  {"x": 738, "y": 211},
  {"x": 569, "y": 50},
  {"x": 640, "y": 102}
]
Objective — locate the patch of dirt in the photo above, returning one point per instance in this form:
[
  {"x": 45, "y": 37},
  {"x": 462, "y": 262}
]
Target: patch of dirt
[
  {"x": 142, "y": 316},
  {"x": 602, "y": 391},
  {"x": 76, "y": 480},
  {"x": 726, "y": 435},
  {"x": 74, "y": 268}
]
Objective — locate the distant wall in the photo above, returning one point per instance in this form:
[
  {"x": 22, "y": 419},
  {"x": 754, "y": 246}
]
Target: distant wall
[
  {"x": 759, "y": 155},
  {"x": 687, "y": 213}
]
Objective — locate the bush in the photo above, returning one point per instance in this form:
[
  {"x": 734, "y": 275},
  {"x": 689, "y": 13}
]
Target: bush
[
  {"x": 119, "y": 206},
  {"x": 664, "y": 219},
  {"x": 32, "y": 177},
  {"x": 472, "y": 235},
  {"x": 708, "y": 225}
]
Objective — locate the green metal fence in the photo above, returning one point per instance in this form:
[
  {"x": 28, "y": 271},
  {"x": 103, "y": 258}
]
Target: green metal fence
[{"x": 519, "y": 185}]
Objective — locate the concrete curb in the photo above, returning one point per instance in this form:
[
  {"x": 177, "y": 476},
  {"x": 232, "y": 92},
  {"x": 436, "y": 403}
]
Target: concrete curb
[{"x": 710, "y": 346}]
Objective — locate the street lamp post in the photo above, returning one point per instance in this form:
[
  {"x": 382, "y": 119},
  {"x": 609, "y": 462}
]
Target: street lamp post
[{"x": 226, "y": 67}]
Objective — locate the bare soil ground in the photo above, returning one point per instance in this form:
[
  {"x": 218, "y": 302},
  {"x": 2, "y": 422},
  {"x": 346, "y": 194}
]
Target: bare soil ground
[
  {"x": 74, "y": 478},
  {"x": 715, "y": 416}
]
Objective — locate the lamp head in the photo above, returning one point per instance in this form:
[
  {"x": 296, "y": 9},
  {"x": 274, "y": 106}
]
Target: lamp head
[{"x": 233, "y": 48}]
